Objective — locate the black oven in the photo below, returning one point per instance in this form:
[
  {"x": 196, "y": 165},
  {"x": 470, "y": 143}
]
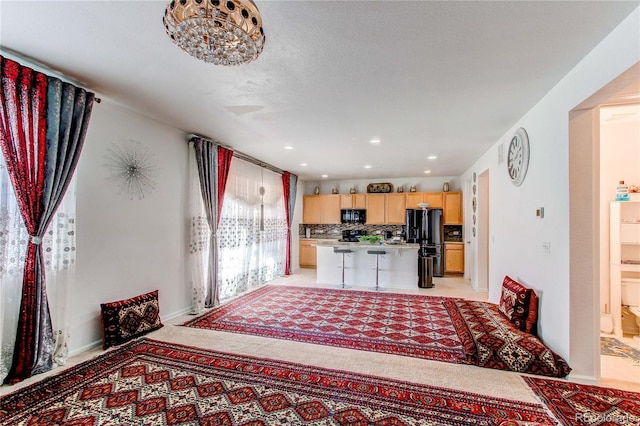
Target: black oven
[{"x": 353, "y": 215}]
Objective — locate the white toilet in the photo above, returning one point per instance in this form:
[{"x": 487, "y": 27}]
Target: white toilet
[{"x": 630, "y": 292}]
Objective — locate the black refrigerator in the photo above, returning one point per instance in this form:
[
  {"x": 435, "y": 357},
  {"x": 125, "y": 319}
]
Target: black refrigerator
[{"x": 426, "y": 227}]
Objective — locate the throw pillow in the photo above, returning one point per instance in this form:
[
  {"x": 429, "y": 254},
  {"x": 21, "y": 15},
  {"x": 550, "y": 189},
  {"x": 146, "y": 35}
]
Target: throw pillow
[
  {"x": 519, "y": 304},
  {"x": 125, "y": 320},
  {"x": 531, "y": 322}
]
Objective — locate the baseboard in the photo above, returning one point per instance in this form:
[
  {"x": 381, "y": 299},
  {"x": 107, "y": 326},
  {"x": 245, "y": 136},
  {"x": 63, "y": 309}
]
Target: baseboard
[
  {"x": 184, "y": 311},
  {"x": 87, "y": 347},
  {"x": 585, "y": 380}
]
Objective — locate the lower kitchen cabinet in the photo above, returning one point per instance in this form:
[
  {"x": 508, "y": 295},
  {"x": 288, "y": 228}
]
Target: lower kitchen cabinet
[
  {"x": 307, "y": 254},
  {"x": 454, "y": 258}
]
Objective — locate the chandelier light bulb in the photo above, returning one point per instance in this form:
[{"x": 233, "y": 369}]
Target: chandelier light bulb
[{"x": 226, "y": 32}]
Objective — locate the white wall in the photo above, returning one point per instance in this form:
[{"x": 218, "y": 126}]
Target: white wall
[
  {"x": 128, "y": 246},
  {"x": 516, "y": 235}
]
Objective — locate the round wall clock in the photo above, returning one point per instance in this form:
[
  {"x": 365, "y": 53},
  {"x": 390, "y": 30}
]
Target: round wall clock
[{"x": 518, "y": 157}]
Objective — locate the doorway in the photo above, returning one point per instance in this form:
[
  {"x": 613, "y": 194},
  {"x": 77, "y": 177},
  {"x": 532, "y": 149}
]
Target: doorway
[
  {"x": 587, "y": 242},
  {"x": 482, "y": 230}
]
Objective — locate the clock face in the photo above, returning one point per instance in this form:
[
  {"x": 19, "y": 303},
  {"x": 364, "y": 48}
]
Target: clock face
[{"x": 518, "y": 157}]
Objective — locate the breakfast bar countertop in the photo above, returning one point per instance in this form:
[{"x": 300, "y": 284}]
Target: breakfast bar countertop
[{"x": 353, "y": 245}]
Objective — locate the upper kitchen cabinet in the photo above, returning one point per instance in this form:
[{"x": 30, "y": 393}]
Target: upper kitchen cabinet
[
  {"x": 353, "y": 201},
  {"x": 452, "y": 208},
  {"x": 376, "y": 209},
  {"x": 383, "y": 209},
  {"x": 395, "y": 208},
  {"x": 413, "y": 199},
  {"x": 321, "y": 209},
  {"x": 434, "y": 199}
]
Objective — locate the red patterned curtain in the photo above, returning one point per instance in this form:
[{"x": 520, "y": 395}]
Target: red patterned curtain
[
  {"x": 286, "y": 187},
  {"x": 289, "y": 187},
  {"x": 224, "y": 162},
  {"x": 43, "y": 123}
]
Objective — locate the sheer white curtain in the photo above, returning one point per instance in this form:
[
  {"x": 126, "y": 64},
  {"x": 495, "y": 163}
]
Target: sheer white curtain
[
  {"x": 59, "y": 247},
  {"x": 248, "y": 255}
]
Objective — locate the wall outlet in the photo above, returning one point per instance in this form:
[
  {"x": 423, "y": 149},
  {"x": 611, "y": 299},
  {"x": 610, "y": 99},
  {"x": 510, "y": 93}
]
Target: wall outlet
[
  {"x": 319, "y": 231},
  {"x": 546, "y": 247}
]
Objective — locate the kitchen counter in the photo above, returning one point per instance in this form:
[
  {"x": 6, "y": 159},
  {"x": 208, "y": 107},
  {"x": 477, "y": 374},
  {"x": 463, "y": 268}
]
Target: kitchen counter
[
  {"x": 398, "y": 267},
  {"x": 358, "y": 245}
]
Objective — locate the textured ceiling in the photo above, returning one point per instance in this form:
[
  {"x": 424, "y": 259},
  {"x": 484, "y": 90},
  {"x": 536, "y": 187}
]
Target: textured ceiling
[{"x": 444, "y": 78}]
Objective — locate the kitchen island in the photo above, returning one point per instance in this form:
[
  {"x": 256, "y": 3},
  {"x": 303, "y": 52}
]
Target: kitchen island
[{"x": 398, "y": 267}]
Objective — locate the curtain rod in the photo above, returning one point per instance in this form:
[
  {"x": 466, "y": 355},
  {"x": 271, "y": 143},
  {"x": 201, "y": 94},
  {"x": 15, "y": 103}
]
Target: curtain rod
[
  {"x": 239, "y": 155},
  {"x": 250, "y": 159},
  {"x": 39, "y": 66}
]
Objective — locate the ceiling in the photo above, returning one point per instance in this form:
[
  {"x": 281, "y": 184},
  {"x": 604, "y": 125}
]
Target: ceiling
[{"x": 443, "y": 78}]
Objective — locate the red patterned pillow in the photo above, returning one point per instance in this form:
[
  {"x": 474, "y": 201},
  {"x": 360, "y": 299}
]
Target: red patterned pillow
[
  {"x": 519, "y": 305},
  {"x": 125, "y": 320}
]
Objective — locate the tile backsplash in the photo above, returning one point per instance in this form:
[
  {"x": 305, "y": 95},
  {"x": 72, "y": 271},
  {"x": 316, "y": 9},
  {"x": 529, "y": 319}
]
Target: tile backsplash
[{"x": 335, "y": 231}]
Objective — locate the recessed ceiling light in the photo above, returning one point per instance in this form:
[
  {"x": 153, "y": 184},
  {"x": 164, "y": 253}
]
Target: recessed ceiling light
[
  {"x": 375, "y": 140},
  {"x": 431, "y": 157},
  {"x": 427, "y": 172},
  {"x": 303, "y": 164},
  {"x": 367, "y": 166},
  {"x": 325, "y": 176},
  {"x": 288, "y": 147}
]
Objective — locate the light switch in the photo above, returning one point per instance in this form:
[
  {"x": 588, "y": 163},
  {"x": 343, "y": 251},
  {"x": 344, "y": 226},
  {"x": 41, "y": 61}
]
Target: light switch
[{"x": 540, "y": 212}]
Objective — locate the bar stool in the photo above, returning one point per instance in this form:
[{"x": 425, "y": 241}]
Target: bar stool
[
  {"x": 377, "y": 253},
  {"x": 342, "y": 251}
]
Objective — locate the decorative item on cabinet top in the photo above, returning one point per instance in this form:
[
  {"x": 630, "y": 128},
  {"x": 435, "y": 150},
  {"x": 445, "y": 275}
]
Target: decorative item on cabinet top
[{"x": 374, "y": 188}]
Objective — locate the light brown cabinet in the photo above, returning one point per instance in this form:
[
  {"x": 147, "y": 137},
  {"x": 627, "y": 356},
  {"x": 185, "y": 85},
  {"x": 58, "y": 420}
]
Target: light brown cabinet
[
  {"x": 453, "y": 208},
  {"x": 395, "y": 209},
  {"x": 454, "y": 258},
  {"x": 311, "y": 209},
  {"x": 307, "y": 254},
  {"x": 413, "y": 199},
  {"x": 321, "y": 209},
  {"x": 382, "y": 209},
  {"x": 434, "y": 199},
  {"x": 353, "y": 201},
  {"x": 375, "y": 209},
  {"x": 385, "y": 209}
]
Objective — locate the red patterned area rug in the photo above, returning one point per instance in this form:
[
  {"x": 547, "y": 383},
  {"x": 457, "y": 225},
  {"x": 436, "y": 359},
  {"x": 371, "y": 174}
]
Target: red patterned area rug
[
  {"x": 402, "y": 324},
  {"x": 575, "y": 404},
  {"x": 148, "y": 382}
]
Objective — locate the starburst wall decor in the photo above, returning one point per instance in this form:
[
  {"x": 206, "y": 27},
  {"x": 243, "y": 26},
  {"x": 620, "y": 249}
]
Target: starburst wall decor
[{"x": 132, "y": 167}]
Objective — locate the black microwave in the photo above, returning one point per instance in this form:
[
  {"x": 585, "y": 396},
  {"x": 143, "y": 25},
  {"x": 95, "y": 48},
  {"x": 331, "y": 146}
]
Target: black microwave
[{"x": 353, "y": 215}]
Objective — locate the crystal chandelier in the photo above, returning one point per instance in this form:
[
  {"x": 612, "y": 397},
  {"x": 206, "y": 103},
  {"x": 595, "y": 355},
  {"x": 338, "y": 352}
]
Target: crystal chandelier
[{"x": 222, "y": 32}]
